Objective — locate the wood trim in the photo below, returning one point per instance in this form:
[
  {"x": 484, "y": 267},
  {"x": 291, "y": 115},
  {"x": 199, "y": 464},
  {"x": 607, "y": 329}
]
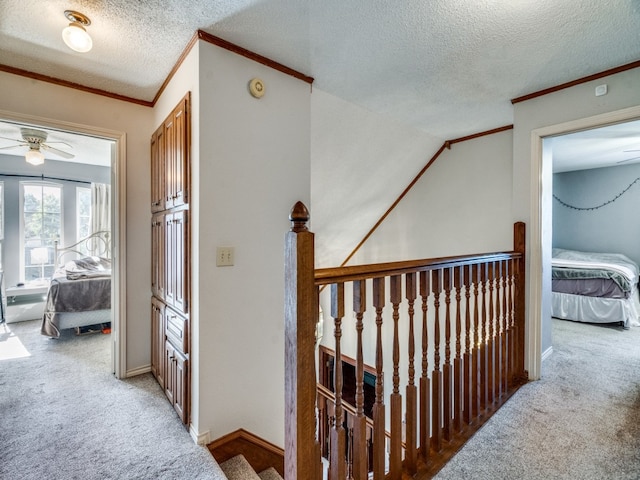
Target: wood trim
[
  {"x": 260, "y": 453},
  {"x": 181, "y": 58},
  {"x": 573, "y": 83},
  {"x": 447, "y": 144},
  {"x": 207, "y": 37},
  {"x": 76, "y": 86},
  {"x": 199, "y": 35}
]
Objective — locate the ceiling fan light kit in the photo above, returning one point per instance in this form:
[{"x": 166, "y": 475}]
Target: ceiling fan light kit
[
  {"x": 34, "y": 157},
  {"x": 75, "y": 35}
]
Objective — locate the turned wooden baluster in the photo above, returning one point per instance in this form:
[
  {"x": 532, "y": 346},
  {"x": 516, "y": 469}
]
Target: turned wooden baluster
[
  {"x": 446, "y": 368},
  {"x": 468, "y": 360},
  {"x": 411, "y": 440},
  {"x": 484, "y": 350},
  {"x": 379, "y": 438},
  {"x": 302, "y": 450},
  {"x": 510, "y": 337},
  {"x": 491, "y": 361},
  {"x": 337, "y": 469},
  {"x": 395, "y": 458},
  {"x": 499, "y": 330},
  {"x": 457, "y": 361},
  {"x": 475, "y": 368},
  {"x": 505, "y": 326},
  {"x": 360, "y": 463},
  {"x": 425, "y": 387},
  {"x": 436, "y": 376}
]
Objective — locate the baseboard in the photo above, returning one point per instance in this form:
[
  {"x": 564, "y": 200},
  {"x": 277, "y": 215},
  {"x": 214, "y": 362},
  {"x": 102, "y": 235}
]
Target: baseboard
[
  {"x": 260, "y": 453},
  {"x": 137, "y": 371},
  {"x": 199, "y": 438},
  {"x": 547, "y": 353}
]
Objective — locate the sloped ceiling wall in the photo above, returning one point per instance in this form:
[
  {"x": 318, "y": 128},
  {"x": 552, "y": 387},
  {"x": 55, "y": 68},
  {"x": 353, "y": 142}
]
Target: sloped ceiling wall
[{"x": 360, "y": 163}]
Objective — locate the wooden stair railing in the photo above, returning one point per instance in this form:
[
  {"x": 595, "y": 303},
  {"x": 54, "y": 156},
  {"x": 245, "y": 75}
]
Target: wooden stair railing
[{"x": 471, "y": 341}]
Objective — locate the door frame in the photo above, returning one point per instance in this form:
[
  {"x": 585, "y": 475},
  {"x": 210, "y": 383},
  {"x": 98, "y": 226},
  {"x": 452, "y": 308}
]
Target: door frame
[
  {"x": 118, "y": 224},
  {"x": 540, "y": 219}
]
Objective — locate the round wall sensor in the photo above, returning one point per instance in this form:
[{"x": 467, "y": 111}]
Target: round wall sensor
[{"x": 256, "y": 87}]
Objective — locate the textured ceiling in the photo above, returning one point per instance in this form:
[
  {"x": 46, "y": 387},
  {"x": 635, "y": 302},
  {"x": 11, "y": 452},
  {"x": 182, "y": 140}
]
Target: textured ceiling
[
  {"x": 447, "y": 67},
  {"x": 429, "y": 70}
]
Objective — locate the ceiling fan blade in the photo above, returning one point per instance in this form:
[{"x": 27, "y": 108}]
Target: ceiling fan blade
[
  {"x": 12, "y": 139},
  {"x": 63, "y": 143},
  {"x": 55, "y": 151},
  {"x": 628, "y": 160},
  {"x": 15, "y": 146}
]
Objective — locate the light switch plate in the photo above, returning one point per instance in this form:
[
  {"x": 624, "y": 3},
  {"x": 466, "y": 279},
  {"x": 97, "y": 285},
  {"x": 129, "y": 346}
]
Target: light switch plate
[{"x": 224, "y": 256}]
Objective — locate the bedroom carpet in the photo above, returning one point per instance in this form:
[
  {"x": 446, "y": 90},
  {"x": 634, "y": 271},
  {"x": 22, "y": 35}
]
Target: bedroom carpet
[
  {"x": 64, "y": 416},
  {"x": 580, "y": 421}
]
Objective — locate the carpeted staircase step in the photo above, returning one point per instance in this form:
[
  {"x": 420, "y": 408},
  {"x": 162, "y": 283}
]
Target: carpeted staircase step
[
  {"x": 237, "y": 468},
  {"x": 270, "y": 474}
]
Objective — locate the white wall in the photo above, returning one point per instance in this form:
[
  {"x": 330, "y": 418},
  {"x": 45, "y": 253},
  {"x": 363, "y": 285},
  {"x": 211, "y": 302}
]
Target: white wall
[
  {"x": 461, "y": 205},
  {"x": 253, "y": 165},
  {"x": 578, "y": 102},
  {"x": 24, "y": 96},
  {"x": 360, "y": 163}
]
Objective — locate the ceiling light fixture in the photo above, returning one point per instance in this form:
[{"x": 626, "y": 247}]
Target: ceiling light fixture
[
  {"x": 75, "y": 35},
  {"x": 34, "y": 157}
]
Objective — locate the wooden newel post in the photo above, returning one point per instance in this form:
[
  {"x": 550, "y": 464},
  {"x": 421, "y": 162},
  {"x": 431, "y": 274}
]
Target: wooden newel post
[
  {"x": 302, "y": 451},
  {"x": 519, "y": 245}
]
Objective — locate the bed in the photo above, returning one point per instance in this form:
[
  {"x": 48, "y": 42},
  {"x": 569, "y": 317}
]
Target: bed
[
  {"x": 594, "y": 287},
  {"x": 79, "y": 293}
]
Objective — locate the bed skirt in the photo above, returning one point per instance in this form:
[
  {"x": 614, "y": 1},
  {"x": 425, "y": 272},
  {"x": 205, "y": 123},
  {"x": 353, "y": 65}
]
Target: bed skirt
[{"x": 596, "y": 309}]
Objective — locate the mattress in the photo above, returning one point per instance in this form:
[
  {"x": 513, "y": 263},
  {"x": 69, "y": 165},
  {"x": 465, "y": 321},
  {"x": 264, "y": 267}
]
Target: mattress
[{"x": 594, "y": 287}]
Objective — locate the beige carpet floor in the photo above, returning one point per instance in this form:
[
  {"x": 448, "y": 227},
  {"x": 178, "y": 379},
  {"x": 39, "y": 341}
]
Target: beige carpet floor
[
  {"x": 581, "y": 421},
  {"x": 63, "y": 415}
]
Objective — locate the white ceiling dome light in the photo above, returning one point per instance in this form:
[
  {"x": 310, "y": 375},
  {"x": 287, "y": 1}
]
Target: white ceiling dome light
[
  {"x": 34, "y": 157},
  {"x": 75, "y": 35}
]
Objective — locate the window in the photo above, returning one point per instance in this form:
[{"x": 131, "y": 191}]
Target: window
[
  {"x": 41, "y": 227},
  {"x": 83, "y": 215}
]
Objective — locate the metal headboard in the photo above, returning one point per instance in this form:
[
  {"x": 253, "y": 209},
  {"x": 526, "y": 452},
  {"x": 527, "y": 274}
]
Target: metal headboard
[{"x": 98, "y": 244}]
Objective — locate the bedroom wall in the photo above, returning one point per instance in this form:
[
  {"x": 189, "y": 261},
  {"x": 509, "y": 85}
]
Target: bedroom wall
[
  {"x": 14, "y": 165},
  {"x": 25, "y": 96},
  {"x": 570, "y": 104},
  {"x": 612, "y": 228}
]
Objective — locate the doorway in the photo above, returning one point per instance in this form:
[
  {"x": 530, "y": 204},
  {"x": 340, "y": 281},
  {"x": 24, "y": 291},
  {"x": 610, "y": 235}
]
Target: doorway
[
  {"x": 115, "y": 149},
  {"x": 541, "y": 225}
]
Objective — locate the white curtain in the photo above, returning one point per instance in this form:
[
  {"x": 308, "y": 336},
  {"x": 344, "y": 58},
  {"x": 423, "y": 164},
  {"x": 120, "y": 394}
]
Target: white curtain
[{"x": 100, "y": 207}]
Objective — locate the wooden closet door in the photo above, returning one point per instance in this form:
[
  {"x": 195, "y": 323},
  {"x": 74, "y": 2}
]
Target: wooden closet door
[
  {"x": 157, "y": 341},
  {"x": 180, "y": 170},
  {"x": 181, "y": 386},
  {"x": 158, "y": 256},
  {"x": 158, "y": 170},
  {"x": 180, "y": 259}
]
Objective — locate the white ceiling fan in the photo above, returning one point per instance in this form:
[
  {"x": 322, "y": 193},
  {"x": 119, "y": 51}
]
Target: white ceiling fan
[{"x": 35, "y": 140}]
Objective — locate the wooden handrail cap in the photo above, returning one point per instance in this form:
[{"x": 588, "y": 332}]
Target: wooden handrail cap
[{"x": 299, "y": 217}]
